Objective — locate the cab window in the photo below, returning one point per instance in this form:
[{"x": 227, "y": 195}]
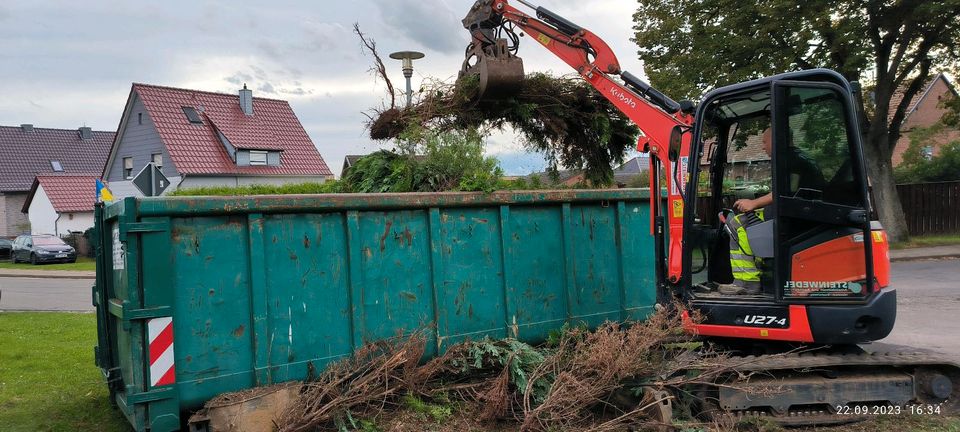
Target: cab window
[{"x": 816, "y": 155}]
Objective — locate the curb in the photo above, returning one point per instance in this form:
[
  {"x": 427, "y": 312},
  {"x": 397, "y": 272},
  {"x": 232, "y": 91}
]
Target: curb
[{"x": 924, "y": 257}]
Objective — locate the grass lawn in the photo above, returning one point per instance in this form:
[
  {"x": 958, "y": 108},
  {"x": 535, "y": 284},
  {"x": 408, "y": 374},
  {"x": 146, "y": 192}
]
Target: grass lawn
[
  {"x": 929, "y": 240},
  {"x": 48, "y": 381},
  {"x": 83, "y": 263}
]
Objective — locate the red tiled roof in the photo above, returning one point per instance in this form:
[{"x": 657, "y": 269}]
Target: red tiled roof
[
  {"x": 196, "y": 149},
  {"x": 24, "y": 155},
  {"x": 898, "y": 94},
  {"x": 67, "y": 192}
]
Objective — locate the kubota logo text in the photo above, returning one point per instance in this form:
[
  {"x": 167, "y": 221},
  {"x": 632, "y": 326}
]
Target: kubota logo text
[{"x": 623, "y": 97}]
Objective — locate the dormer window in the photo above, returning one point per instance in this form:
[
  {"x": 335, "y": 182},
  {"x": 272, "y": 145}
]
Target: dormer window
[
  {"x": 192, "y": 116},
  {"x": 258, "y": 157},
  {"x": 57, "y": 167}
]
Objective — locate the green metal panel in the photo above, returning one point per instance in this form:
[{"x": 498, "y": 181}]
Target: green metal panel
[{"x": 271, "y": 289}]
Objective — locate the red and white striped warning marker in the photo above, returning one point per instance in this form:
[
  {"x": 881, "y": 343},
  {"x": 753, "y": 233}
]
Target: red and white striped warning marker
[{"x": 160, "y": 331}]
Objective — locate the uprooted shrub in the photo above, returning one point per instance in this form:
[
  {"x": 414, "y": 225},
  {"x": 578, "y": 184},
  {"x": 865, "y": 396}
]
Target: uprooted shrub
[
  {"x": 562, "y": 117},
  {"x": 566, "y": 386}
]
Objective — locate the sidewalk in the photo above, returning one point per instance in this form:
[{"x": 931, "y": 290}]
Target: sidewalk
[
  {"x": 48, "y": 274},
  {"x": 932, "y": 252}
]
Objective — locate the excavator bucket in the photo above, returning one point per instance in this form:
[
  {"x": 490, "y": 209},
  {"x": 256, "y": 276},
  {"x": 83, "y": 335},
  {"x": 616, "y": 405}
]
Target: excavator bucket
[{"x": 500, "y": 72}]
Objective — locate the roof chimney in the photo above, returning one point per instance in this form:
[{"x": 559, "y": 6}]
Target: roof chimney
[
  {"x": 246, "y": 100},
  {"x": 85, "y": 133},
  {"x": 26, "y": 127}
]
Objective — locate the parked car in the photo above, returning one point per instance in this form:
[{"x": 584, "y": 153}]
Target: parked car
[
  {"x": 42, "y": 249},
  {"x": 6, "y": 245}
]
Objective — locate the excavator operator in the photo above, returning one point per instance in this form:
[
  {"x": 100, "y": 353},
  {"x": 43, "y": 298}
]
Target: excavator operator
[{"x": 804, "y": 175}]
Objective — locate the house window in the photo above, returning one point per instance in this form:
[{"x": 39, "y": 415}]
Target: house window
[
  {"x": 258, "y": 157},
  {"x": 192, "y": 115},
  {"x": 128, "y": 167},
  {"x": 157, "y": 159},
  {"x": 55, "y": 164},
  {"x": 928, "y": 152},
  {"x": 140, "y": 118}
]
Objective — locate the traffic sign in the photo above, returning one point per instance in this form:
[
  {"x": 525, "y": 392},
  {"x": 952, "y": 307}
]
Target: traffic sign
[{"x": 151, "y": 180}]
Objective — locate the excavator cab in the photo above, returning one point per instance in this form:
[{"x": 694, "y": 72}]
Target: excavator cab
[{"x": 822, "y": 260}]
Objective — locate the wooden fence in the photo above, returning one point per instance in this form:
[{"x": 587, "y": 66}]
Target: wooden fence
[{"x": 931, "y": 208}]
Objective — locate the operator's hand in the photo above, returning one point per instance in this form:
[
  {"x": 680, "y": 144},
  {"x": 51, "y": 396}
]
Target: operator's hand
[{"x": 745, "y": 205}]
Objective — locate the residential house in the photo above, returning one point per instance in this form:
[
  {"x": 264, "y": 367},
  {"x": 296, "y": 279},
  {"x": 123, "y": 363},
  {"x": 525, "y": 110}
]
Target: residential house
[
  {"x": 27, "y": 151},
  {"x": 60, "y": 204},
  {"x": 622, "y": 175},
  {"x": 200, "y": 138},
  {"x": 924, "y": 110},
  {"x": 746, "y": 164},
  {"x": 348, "y": 162},
  {"x": 629, "y": 170}
]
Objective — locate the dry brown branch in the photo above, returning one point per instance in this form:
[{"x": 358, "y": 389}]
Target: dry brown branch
[
  {"x": 379, "y": 68},
  {"x": 372, "y": 377}
]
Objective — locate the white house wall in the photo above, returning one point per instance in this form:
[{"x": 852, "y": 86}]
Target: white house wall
[
  {"x": 79, "y": 223},
  {"x": 43, "y": 217},
  {"x": 41, "y": 213}
]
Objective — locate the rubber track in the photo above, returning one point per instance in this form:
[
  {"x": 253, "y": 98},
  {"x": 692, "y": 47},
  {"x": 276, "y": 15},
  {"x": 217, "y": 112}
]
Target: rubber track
[{"x": 824, "y": 359}]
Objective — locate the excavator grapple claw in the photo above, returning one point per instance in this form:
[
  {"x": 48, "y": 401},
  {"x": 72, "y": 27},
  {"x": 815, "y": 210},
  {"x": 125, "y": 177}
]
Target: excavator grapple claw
[
  {"x": 490, "y": 56},
  {"x": 500, "y": 72}
]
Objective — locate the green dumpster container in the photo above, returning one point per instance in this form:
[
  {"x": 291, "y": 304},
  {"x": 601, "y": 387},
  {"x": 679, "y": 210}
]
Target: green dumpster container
[{"x": 197, "y": 296}]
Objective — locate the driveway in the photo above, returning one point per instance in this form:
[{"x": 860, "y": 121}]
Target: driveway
[
  {"x": 928, "y": 305},
  {"x": 45, "y": 294}
]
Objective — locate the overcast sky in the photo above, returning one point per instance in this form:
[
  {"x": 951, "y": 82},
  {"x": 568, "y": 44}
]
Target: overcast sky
[{"x": 64, "y": 64}]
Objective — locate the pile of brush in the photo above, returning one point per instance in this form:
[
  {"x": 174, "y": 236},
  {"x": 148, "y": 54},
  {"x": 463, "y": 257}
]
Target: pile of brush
[{"x": 573, "y": 383}]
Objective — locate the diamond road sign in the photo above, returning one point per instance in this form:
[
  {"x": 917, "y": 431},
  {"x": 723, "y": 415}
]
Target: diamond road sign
[{"x": 151, "y": 180}]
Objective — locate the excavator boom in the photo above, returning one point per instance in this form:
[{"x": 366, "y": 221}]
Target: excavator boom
[{"x": 663, "y": 122}]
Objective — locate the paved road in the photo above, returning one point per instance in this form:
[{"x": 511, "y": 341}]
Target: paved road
[
  {"x": 928, "y": 305},
  {"x": 45, "y": 294},
  {"x": 928, "y": 295}
]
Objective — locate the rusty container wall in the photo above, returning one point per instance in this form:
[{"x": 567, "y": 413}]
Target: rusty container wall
[{"x": 200, "y": 296}]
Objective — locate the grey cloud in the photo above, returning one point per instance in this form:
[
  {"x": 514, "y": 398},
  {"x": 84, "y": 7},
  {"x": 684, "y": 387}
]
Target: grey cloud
[
  {"x": 238, "y": 78},
  {"x": 267, "y": 88},
  {"x": 430, "y": 23},
  {"x": 270, "y": 49},
  {"x": 258, "y": 72},
  {"x": 299, "y": 91},
  {"x": 326, "y": 36}
]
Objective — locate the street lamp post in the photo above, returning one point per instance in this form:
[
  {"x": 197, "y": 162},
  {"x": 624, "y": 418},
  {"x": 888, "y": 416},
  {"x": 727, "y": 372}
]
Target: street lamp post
[{"x": 407, "y": 57}]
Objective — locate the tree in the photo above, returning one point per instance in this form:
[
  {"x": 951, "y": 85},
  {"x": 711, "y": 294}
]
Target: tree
[{"x": 690, "y": 46}]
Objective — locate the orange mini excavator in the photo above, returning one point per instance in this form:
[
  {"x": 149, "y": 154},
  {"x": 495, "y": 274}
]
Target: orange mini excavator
[{"x": 824, "y": 262}]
